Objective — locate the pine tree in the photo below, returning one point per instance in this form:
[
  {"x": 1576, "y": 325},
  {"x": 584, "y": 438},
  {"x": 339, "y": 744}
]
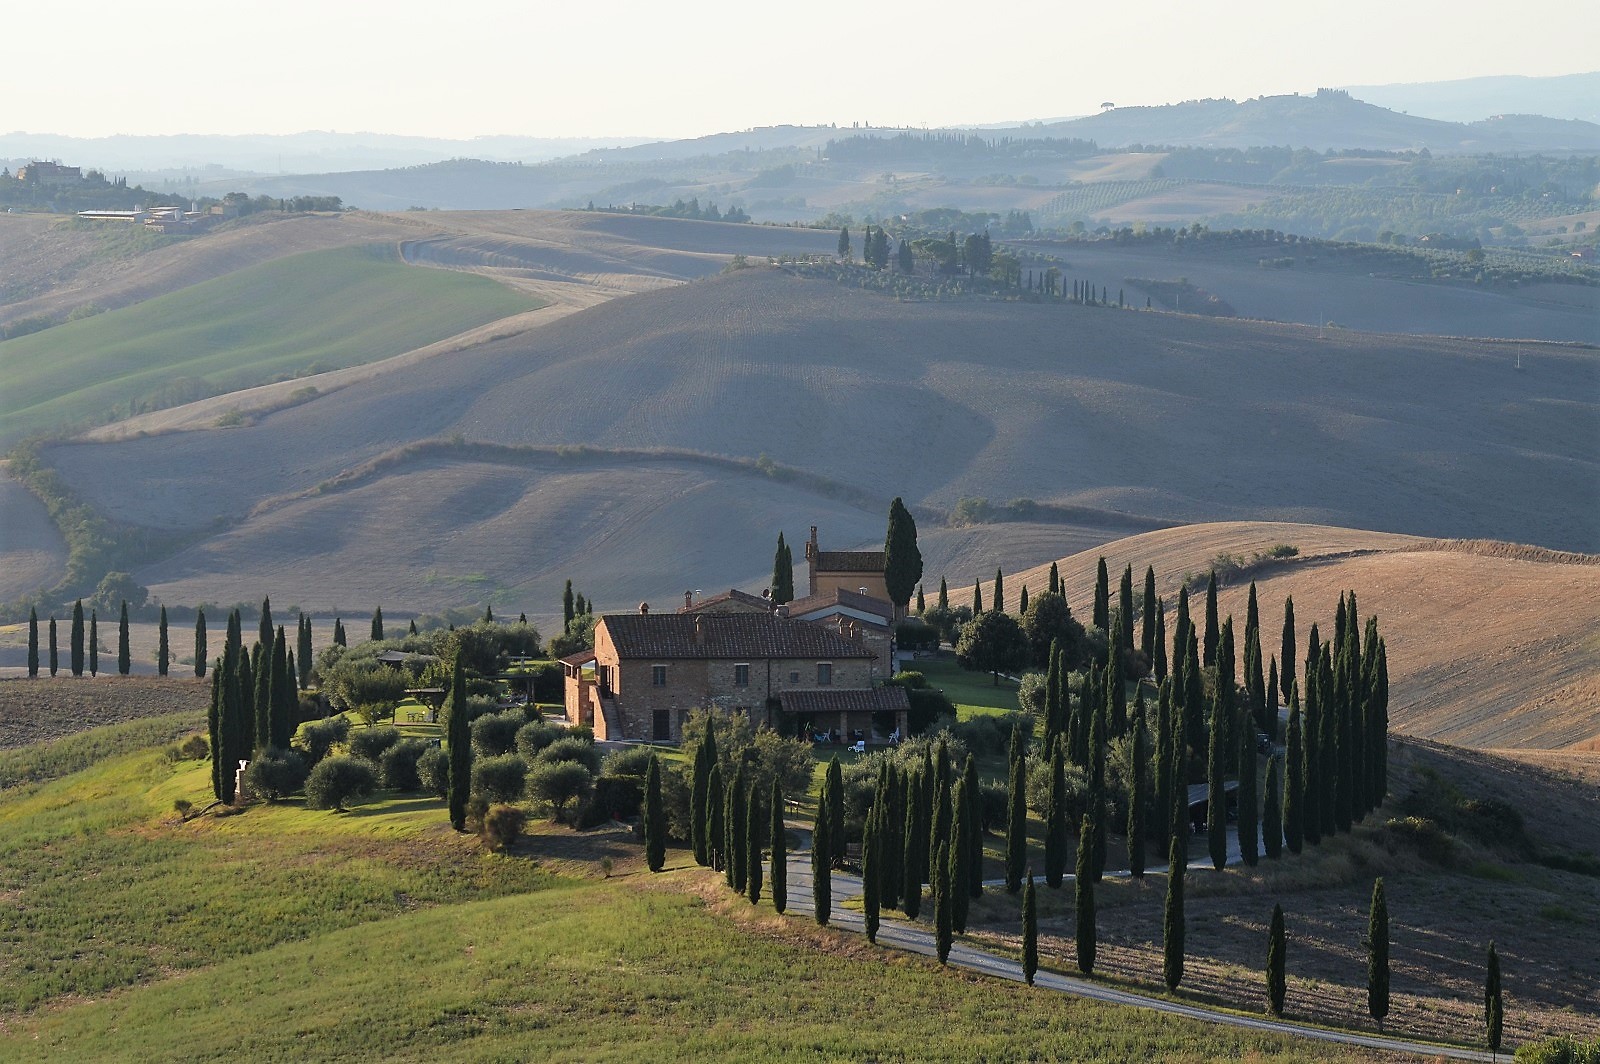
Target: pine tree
[
  {"x": 821, "y": 867},
  {"x": 1083, "y": 881},
  {"x": 55, "y": 654},
  {"x": 999, "y": 591},
  {"x": 1249, "y": 822},
  {"x": 1211, "y": 620},
  {"x": 163, "y": 649},
  {"x": 303, "y": 652},
  {"x": 458, "y": 731},
  {"x": 33, "y": 642},
  {"x": 1147, "y": 616},
  {"x": 1102, "y": 598},
  {"x": 960, "y": 856},
  {"x": 1272, "y": 812},
  {"x": 1277, "y": 945},
  {"x": 1286, "y": 652},
  {"x": 1017, "y": 815},
  {"x": 1378, "y": 955},
  {"x": 1055, "y": 836},
  {"x": 1136, "y": 795},
  {"x": 1493, "y": 1008},
  {"x": 902, "y": 559},
  {"x": 377, "y": 624},
  {"x": 752, "y": 843},
  {"x": 94, "y": 643},
  {"x": 1172, "y": 919},
  {"x": 1125, "y": 609},
  {"x": 200, "y": 642},
  {"x": 1294, "y": 789},
  {"x": 655, "y": 819},
  {"x": 871, "y": 896},
  {"x": 1030, "y": 930},
  {"x": 942, "y": 902},
  {"x": 77, "y": 638},
  {"x": 779, "y": 872}
]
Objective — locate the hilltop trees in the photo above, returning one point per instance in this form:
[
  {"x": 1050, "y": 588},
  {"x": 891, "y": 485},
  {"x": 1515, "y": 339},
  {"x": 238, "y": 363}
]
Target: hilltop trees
[{"x": 902, "y": 558}]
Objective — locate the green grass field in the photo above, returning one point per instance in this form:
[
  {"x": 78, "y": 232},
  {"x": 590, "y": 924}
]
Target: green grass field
[
  {"x": 973, "y": 693},
  {"x": 324, "y": 309},
  {"x": 286, "y": 934}
]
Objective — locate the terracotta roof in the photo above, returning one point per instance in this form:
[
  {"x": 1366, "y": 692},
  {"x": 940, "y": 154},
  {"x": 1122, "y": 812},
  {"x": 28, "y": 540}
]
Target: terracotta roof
[
  {"x": 840, "y": 597},
  {"x": 582, "y": 657},
  {"x": 850, "y": 561},
  {"x": 724, "y": 635},
  {"x": 869, "y": 700},
  {"x": 732, "y": 595}
]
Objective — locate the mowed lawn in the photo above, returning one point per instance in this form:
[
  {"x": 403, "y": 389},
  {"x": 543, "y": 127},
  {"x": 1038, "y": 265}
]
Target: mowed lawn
[
  {"x": 287, "y": 934},
  {"x": 321, "y": 309},
  {"x": 974, "y": 693}
]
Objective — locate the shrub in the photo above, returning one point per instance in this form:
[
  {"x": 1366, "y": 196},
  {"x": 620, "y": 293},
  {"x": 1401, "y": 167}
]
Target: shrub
[
  {"x": 573, "y": 749},
  {"x": 559, "y": 783},
  {"x": 1429, "y": 840},
  {"x": 317, "y": 739},
  {"x": 502, "y": 826},
  {"x": 433, "y": 771},
  {"x": 336, "y": 780},
  {"x": 499, "y": 779},
  {"x": 614, "y": 798},
  {"x": 534, "y": 737},
  {"x": 914, "y": 634},
  {"x": 370, "y": 743},
  {"x": 581, "y": 731},
  {"x": 910, "y": 679},
  {"x": 1031, "y": 693},
  {"x": 482, "y": 706},
  {"x": 494, "y": 734},
  {"x": 629, "y": 761},
  {"x": 928, "y": 711},
  {"x": 194, "y": 748},
  {"x": 397, "y": 767},
  {"x": 275, "y": 774},
  {"x": 1564, "y": 1050},
  {"x": 989, "y": 734}
]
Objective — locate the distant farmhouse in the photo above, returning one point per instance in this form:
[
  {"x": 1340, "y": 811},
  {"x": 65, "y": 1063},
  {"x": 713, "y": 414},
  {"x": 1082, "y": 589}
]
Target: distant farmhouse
[
  {"x": 813, "y": 665},
  {"x": 45, "y": 173}
]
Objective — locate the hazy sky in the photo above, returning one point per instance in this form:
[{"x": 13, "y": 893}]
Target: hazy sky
[{"x": 625, "y": 67}]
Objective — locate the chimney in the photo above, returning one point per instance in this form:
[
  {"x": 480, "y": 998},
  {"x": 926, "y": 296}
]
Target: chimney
[
  {"x": 688, "y": 599},
  {"x": 644, "y": 609},
  {"x": 783, "y": 609}
]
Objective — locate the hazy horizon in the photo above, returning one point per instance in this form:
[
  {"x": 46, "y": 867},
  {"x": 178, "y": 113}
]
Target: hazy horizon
[{"x": 490, "y": 70}]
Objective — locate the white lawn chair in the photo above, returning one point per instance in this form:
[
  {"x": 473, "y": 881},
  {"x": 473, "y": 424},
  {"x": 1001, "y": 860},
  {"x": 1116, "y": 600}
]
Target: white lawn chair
[{"x": 860, "y": 747}]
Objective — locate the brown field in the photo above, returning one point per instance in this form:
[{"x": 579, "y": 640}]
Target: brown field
[
  {"x": 1442, "y": 918},
  {"x": 1193, "y": 199},
  {"x": 1490, "y": 645},
  {"x": 33, "y": 711},
  {"x": 32, "y": 554}
]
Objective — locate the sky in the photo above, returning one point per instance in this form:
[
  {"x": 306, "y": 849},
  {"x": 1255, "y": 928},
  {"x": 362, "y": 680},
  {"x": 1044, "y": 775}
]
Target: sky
[{"x": 630, "y": 68}]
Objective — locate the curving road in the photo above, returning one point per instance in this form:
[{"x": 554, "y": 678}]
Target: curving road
[{"x": 896, "y": 933}]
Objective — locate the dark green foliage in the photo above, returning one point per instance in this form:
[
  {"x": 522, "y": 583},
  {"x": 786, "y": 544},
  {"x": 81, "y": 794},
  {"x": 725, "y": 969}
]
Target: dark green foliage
[
  {"x": 961, "y": 829},
  {"x": 163, "y": 648},
  {"x": 1030, "y": 930},
  {"x": 999, "y": 591},
  {"x": 499, "y": 779},
  {"x": 94, "y": 643},
  {"x": 1017, "y": 815},
  {"x": 704, "y": 759},
  {"x": 370, "y": 743},
  {"x": 265, "y": 630},
  {"x": 1102, "y": 598},
  {"x": 1271, "y": 812},
  {"x": 752, "y": 843},
  {"x": 579, "y": 749},
  {"x": 1162, "y": 818},
  {"x": 503, "y": 826},
  {"x": 1211, "y": 632},
  {"x": 821, "y": 867},
  {"x": 655, "y": 819},
  {"x": 558, "y": 783},
  {"x": 833, "y": 796},
  {"x": 339, "y": 638},
  {"x": 1216, "y": 794},
  {"x": 1116, "y": 689},
  {"x": 1378, "y": 955},
  {"x": 902, "y": 559},
  {"x": 782, "y": 573},
  {"x": 200, "y": 643},
  {"x": 1158, "y": 659},
  {"x": 974, "y": 832},
  {"x": 1277, "y": 945},
  {"x": 275, "y": 774},
  {"x": 55, "y": 654},
  {"x": 738, "y": 828},
  {"x": 261, "y": 704},
  {"x": 779, "y": 874},
  {"x": 377, "y": 625},
  {"x": 494, "y": 734},
  {"x": 569, "y": 608},
  {"x": 33, "y": 640},
  {"x": 336, "y": 780},
  {"x": 977, "y": 599},
  {"x": 1286, "y": 653},
  {"x": 433, "y": 771},
  {"x": 1137, "y": 787},
  {"x": 1294, "y": 789},
  {"x": 1055, "y": 838},
  {"x": 1249, "y": 822},
  {"x": 458, "y": 738},
  {"x": 284, "y": 696},
  {"x": 1493, "y": 1008},
  {"x": 844, "y": 242},
  {"x": 1083, "y": 881},
  {"x": 915, "y": 860},
  {"x": 942, "y": 901},
  {"x": 534, "y": 736},
  {"x": 994, "y": 643},
  {"x": 1172, "y": 917},
  {"x": 303, "y": 652},
  {"x": 871, "y": 895},
  {"x": 397, "y": 767},
  {"x": 1125, "y": 610},
  {"x": 77, "y": 638},
  {"x": 716, "y": 811},
  {"x": 1054, "y": 585},
  {"x": 944, "y": 595}
]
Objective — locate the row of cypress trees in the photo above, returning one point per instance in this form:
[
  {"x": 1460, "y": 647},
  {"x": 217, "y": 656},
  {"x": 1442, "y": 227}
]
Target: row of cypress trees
[
  {"x": 254, "y": 699},
  {"x": 731, "y": 824},
  {"x": 79, "y": 658}
]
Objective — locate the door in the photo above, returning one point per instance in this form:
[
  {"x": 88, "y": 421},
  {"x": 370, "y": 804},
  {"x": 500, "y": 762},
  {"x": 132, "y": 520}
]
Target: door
[{"x": 661, "y": 730}]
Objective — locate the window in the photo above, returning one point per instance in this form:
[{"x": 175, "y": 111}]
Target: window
[
  {"x": 794, "y": 677},
  {"x": 658, "y": 676},
  {"x": 741, "y": 676},
  {"x": 824, "y": 674}
]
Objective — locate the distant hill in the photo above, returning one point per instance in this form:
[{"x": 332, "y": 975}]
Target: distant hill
[{"x": 1471, "y": 99}]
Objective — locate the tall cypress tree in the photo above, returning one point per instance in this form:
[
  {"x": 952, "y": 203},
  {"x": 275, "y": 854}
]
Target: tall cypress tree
[
  {"x": 1272, "y": 812},
  {"x": 303, "y": 652},
  {"x": 1147, "y": 616},
  {"x": 1055, "y": 835},
  {"x": 999, "y": 591},
  {"x": 1102, "y": 597},
  {"x": 1378, "y": 955},
  {"x": 1083, "y": 882},
  {"x": 1016, "y": 815},
  {"x": 1311, "y": 790},
  {"x": 1164, "y": 762},
  {"x": 821, "y": 867},
  {"x": 1227, "y": 686},
  {"x": 779, "y": 872},
  {"x": 33, "y": 643},
  {"x": 913, "y": 863},
  {"x": 1211, "y": 632},
  {"x": 1378, "y": 726},
  {"x": 339, "y": 638},
  {"x": 942, "y": 902},
  {"x": 265, "y": 637},
  {"x": 200, "y": 642},
  {"x": 1125, "y": 609},
  {"x": 752, "y": 843},
  {"x": 944, "y": 595},
  {"x": 716, "y": 833},
  {"x": 1277, "y": 946},
  {"x": 1022, "y": 601},
  {"x": 974, "y": 813},
  {"x": 738, "y": 827},
  {"x": 977, "y": 598},
  {"x": 377, "y": 624},
  {"x": 902, "y": 559},
  {"x": 871, "y": 895},
  {"x": 214, "y": 731},
  {"x": 1180, "y": 627},
  {"x": 1116, "y": 689},
  {"x": 458, "y": 731},
  {"x": 1294, "y": 788},
  {"x": 55, "y": 653},
  {"x": 1030, "y": 930},
  {"x": 1052, "y": 695},
  {"x": 1249, "y": 822},
  {"x": 1136, "y": 795},
  {"x": 1158, "y": 663},
  {"x": 261, "y": 702},
  {"x": 77, "y": 638},
  {"x": 284, "y": 699},
  {"x": 835, "y": 794},
  {"x": 1493, "y": 1007},
  {"x": 1216, "y": 792},
  {"x": 1286, "y": 653},
  {"x": 1055, "y": 580},
  {"x": 1172, "y": 918},
  {"x": 960, "y": 856},
  {"x": 922, "y": 603},
  {"x": 163, "y": 648},
  {"x": 655, "y": 819},
  {"x": 94, "y": 643}
]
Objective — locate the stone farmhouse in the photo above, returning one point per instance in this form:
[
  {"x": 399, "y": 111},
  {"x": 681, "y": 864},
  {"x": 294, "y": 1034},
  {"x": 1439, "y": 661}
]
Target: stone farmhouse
[{"x": 813, "y": 665}]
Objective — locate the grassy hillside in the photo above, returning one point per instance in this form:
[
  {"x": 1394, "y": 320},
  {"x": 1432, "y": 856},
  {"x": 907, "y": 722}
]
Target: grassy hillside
[
  {"x": 1490, "y": 645},
  {"x": 320, "y": 310}
]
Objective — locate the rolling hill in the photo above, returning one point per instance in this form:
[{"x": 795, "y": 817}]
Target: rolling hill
[
  {"x": 1133, "y": 419},
  {"x": 1490, "y": 645}
]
